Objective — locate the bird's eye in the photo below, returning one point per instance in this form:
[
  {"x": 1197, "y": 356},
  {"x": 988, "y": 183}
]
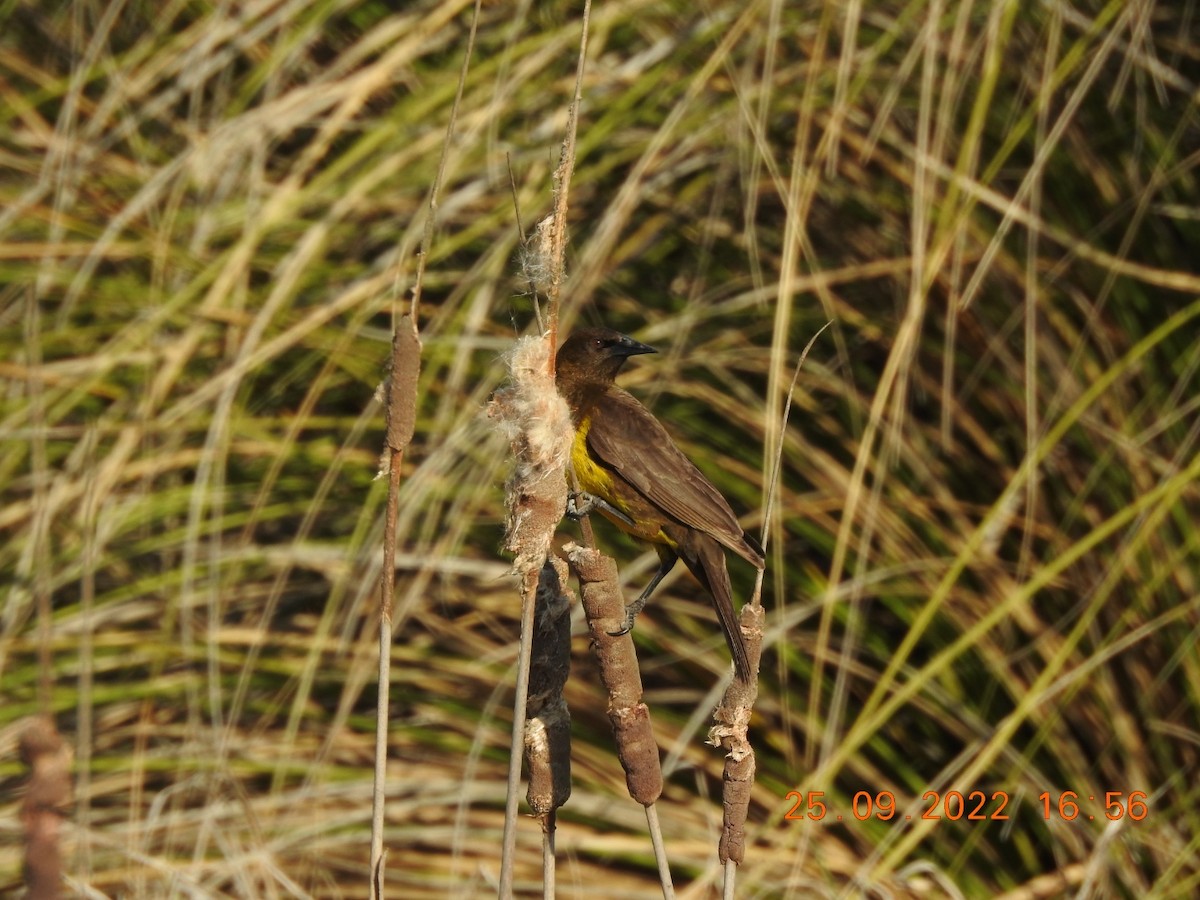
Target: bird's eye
[{"x": 598, "y": 343}]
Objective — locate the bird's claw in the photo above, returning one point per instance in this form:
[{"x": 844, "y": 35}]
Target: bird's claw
[
  {"x": 631, "y": 614},
  {"x": 580, "y": 503}
]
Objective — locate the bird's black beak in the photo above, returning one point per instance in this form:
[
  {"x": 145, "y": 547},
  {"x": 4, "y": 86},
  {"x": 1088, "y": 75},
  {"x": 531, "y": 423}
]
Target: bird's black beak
[{"x": 627, "y": 346}]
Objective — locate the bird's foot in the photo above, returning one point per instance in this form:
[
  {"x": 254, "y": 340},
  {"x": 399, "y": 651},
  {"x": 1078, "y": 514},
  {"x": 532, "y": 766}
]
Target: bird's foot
[
  {"x": 580, "y": 503},
  {"x": 631, "y": 614}
]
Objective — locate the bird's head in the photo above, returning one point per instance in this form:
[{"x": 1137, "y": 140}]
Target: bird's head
[{"x": 593, "y": 355}]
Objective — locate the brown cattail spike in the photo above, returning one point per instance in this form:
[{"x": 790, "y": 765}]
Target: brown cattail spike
[
  {"x": 604, "y": 605},
  {"x": 548, "y": 729}
]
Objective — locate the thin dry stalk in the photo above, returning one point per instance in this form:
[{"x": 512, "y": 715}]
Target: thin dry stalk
[
  {"x": 41, "y": 534},
  {"x": 556, "y": 238},
  {"x": 401, "y": 420},
  {"x": 440, "y": 177},
  {"x": 401, "y": 417}
]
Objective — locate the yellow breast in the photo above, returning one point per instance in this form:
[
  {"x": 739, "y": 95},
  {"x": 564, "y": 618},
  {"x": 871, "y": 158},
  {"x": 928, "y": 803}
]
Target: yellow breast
[{"x": 592, "y": 477}]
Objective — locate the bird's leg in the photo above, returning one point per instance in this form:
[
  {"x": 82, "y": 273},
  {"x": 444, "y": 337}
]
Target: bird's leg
[
  {"x": 666, "y": 564},
  {"x": 580, "y": 503}
]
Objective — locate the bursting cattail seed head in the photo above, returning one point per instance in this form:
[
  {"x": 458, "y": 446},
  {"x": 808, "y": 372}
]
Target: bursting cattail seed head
[{"x": 534, "y": 417}]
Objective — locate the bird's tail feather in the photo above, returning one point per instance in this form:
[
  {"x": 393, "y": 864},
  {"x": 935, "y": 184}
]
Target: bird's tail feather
[{"x": 706, "y": 560}]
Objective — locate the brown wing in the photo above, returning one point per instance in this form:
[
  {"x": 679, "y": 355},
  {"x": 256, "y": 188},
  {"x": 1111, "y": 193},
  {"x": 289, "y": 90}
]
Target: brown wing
[{"x": 626, "y": 438}]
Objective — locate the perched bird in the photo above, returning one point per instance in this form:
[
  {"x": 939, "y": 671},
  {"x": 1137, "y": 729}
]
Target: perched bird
[{"x": 624, "y": 457}]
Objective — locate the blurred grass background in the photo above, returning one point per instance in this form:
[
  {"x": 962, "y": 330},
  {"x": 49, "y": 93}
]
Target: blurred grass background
[{"x": 983, "y": 564}]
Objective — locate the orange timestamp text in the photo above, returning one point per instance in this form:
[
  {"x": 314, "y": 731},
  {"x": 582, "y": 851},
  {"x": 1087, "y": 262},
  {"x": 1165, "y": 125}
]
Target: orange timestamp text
[
  {"x": 1069, "y": 805},
  {"x": 972, "y": 806}
]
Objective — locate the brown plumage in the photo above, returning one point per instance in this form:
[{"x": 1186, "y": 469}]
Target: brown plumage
[{"x": 623, "y": 456}]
